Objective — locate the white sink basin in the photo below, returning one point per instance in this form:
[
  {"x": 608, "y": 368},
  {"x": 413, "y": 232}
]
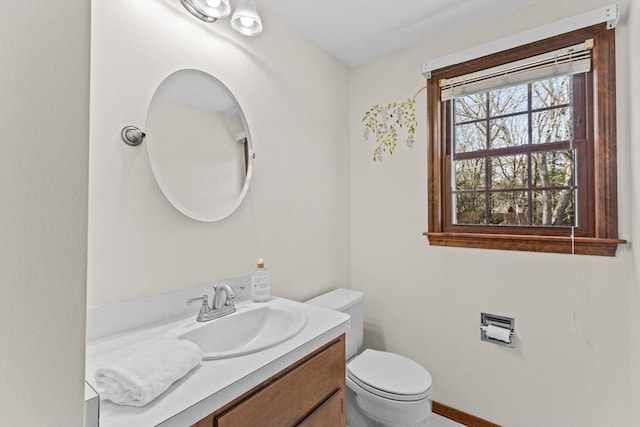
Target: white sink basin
[{"x": 250, "y": 329}]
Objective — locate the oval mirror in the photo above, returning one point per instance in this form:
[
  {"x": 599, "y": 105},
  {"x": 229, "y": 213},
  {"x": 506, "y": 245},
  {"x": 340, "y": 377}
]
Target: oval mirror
[{"x": 199, "y": 145}]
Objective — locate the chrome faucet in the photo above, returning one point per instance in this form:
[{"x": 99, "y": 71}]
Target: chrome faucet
[
  {"x": 222, "y": 303},
  {"x": 223, "y": 296}
]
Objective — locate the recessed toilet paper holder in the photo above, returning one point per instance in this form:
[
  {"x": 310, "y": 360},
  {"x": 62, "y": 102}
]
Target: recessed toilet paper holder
[{"x": 503, "y": 336}]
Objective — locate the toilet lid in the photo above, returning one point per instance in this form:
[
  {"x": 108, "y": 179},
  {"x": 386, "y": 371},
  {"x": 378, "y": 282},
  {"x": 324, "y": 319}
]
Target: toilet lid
[{"x": 390, "y": 375}]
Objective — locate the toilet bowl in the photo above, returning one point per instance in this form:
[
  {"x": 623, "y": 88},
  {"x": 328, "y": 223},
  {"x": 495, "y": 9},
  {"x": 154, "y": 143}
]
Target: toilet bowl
[{"x": 384, "y": 389}]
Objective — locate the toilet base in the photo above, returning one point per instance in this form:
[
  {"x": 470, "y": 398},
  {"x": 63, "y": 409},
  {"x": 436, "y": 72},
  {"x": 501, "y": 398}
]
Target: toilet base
[{"x": 357, "y": 418}]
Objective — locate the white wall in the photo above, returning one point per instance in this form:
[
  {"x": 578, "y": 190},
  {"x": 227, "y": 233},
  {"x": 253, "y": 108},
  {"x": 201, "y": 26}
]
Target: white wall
[
  {"x": 44, "y": 151},
  {"x": 425, "y": 301},
  {"x": 296, "y": 213},
  {"x": 634, "y": 135}
]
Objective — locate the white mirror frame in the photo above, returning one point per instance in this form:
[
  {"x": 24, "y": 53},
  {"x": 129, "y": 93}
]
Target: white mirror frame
[{"x": 173, "y": 167}]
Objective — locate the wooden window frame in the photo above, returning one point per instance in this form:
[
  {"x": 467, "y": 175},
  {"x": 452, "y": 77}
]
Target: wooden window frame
[{"x": 600, "y": 235}]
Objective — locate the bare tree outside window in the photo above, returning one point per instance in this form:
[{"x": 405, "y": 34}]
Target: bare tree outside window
[{"x": 504, "y": 174}]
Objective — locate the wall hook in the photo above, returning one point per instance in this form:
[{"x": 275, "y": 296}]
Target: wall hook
[{"x": 132, "y": 135}]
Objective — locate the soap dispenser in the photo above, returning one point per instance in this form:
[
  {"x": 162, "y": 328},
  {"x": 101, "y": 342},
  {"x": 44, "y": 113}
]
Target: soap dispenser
[{"x": 260, "y": 283}]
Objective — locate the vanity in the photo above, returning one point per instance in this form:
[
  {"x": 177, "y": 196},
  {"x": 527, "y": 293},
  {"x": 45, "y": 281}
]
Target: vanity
[
  {"x": 277, "y": 363},
  {"x": 300, "y": 381}
]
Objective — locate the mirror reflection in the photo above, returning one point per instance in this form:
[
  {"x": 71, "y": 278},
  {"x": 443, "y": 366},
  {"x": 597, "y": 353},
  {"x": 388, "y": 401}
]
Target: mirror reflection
[{"x": 199, "y": 145}]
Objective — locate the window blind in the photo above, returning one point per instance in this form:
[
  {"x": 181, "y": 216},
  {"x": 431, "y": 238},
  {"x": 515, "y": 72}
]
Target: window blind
[{"x": 569, "y": 60}]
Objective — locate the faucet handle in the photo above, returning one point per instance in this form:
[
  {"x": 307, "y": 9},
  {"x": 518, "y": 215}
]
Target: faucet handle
[{"x": 205, "y": 303}]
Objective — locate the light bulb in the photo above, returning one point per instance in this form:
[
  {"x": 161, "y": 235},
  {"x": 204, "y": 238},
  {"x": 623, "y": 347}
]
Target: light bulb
[
  {"x": 211, "y": 8},
  {"x": 246, "y": 21}
]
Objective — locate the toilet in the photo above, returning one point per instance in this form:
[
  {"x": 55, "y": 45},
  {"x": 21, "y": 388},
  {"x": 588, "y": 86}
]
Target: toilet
[{"x": 384, "y": 389}]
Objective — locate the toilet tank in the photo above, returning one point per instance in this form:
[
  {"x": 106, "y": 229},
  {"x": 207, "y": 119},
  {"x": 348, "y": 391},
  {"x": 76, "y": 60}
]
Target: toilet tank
[{"x": 346, "y": 301}]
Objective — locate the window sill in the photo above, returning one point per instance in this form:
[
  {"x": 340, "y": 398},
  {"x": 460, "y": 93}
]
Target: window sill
[{"x": 511, "y": 242}]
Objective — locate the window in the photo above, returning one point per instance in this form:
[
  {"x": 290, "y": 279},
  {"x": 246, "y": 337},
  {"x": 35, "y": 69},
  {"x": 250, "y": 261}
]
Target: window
[{"x": 522, "y": 148}]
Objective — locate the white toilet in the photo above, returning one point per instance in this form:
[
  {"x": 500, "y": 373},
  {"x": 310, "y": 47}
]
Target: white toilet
[{"x": 384, "y": 389}]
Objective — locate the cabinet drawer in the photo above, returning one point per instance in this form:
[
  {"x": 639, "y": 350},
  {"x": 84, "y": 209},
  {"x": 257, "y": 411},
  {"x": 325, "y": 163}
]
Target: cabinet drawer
[
  {"x": 289, "y": 399},
  {"x": 330, "y": 413}
]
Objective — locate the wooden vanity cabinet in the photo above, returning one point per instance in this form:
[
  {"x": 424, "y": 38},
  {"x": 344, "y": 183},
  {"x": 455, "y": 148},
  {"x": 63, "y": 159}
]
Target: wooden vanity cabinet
[{"x": 309, "y": 393}]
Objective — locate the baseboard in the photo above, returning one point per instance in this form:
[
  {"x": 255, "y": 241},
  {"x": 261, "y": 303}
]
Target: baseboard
[{"x": 461, "y": 417}]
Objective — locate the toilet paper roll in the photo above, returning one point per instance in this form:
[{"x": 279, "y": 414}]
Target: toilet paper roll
[{"x": 498, "y": 333}]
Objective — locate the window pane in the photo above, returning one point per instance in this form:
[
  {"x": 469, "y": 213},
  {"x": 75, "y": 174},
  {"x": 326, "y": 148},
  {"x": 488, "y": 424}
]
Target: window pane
[
  {"x": 508, "y": 100},
  {"x": 470, "y": 107},
  {"x": 471, "y": 137},
  {"x": 553, "y": 168},
  {"x": 509, "y": 131},
  {"x": 551, "y": 92},
  {"x": 470, "y": 174},
  {"x": 554, "y": 207},
  {"x": 509, "y": 172},
  {"x": 509, "y": 208},
  {"x": 469, "y": 208},
  {"x": 552, "y": 125}
]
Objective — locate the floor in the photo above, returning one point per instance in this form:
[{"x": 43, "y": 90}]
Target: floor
[{"x": 436, "y": 420}]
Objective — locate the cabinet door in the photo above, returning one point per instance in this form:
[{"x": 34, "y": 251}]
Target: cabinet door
[
  {"x": 330, "y": 413},
  {"x": 288, "y": 400}
]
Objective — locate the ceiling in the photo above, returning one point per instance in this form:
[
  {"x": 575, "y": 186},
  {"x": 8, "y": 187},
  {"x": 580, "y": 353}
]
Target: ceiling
[{"x": 359, "y": 31}]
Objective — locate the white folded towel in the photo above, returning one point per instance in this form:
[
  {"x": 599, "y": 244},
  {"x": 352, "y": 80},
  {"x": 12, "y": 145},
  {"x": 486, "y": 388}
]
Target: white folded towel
[{"x": 137, "y": 379}]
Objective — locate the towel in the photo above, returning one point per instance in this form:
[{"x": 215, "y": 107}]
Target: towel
[{"x": 137, "y": 379}]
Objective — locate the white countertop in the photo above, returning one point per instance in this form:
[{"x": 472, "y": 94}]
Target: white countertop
[{"x": 213, "y": 383}]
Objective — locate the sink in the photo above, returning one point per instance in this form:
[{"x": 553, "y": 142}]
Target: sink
[{"x": 252, "y": 328}]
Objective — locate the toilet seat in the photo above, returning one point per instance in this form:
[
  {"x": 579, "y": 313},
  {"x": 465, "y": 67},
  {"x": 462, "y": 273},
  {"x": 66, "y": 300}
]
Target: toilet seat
[{"x": 390, "y": 376}]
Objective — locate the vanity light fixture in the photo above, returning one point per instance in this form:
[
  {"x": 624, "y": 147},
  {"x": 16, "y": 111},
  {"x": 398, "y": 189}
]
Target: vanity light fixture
[
  {"x": 245, "y": 19},
  {"x": 207, "y": 10}
]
